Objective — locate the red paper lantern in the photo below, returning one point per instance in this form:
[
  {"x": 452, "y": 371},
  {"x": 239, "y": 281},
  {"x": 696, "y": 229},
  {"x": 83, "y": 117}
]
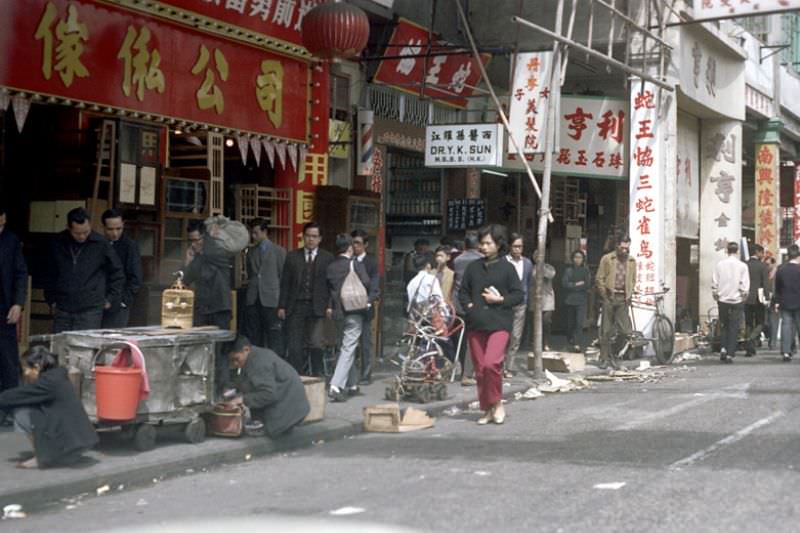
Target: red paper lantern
[{"x": 335, "y": 30}]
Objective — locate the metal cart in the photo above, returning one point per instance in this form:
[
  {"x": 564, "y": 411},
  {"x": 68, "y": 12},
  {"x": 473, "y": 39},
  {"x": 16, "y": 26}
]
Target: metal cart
[{"x": 180, "y": 369}]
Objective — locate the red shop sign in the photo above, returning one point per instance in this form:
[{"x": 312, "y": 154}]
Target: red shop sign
[
  {"x": 448, "y": 78},
  {"x": 111, "y": 57},
  {"x": 279, "y": 19}
]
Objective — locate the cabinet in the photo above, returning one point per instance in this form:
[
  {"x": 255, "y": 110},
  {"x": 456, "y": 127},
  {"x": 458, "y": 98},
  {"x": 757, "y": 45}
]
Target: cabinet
[
  {"x": 338, "y": 211},
  {"x": 51, "y": 217},
  {"x": 414, "y": 204}
]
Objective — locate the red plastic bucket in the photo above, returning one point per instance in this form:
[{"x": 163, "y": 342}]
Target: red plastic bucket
[{"x": 117, "y": 392}]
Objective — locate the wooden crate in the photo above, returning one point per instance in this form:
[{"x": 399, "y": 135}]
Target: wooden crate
[
  {"x": 382, "y": 418},
  {"x": 317, "y": 399}
]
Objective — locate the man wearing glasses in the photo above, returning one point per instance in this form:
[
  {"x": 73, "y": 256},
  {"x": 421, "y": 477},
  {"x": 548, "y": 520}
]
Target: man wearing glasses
[{"x": 305, "y": 301}]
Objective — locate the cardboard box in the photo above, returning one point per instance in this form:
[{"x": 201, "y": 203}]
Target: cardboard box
[
  {"x": 317, "y": 399},
  {"x": 560, "y": 361},
  {"x": 386, "y": 419}
]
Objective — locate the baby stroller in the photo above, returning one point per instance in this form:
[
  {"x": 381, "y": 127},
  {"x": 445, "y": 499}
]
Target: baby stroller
[{"x": 434, "y": 339}]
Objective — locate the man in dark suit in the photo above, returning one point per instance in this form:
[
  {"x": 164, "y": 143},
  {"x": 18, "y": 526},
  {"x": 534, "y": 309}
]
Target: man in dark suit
[
  {"x": 754, "y": 306},
  {"x": 305, "y": 302},
  {"x": 128, "y": 252},
  {"x": 13, "y": 294},
  {"x": 84, "y": 275},
  {"x": 264, "y": 263},
  {"x": 269, "y": 387},
  {"x": 360, "y": 245}
]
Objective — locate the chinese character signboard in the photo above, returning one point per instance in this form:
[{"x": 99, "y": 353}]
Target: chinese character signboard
[
  {"x": 687, "y": 174},
  {"x": 592, "y": 139},
  {"x": 449, "y": 78},
  {"x": 709, "y": 77},
  {"x": 527, "y": 116},
  {"x": 279, "y": 19},
  {"x": 720, "y": 198},
  {"x": 465, "y": 214},
  {"x": 767, "y": 196},
  {"x": 647, "y": 208},
  {"x": 111, "y": 57},
  {"x": 796, "y": 233},
  {"x": 740, "y": 8},
  {"x": 464, "y": 145}
]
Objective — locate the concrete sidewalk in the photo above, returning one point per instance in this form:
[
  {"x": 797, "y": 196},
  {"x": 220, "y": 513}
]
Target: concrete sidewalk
[{"x": 116, "y": 464}]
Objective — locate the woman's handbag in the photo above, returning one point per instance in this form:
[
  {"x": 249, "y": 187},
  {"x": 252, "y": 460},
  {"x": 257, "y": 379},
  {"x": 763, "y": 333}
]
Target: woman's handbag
[{"x": 353, "y": 294}]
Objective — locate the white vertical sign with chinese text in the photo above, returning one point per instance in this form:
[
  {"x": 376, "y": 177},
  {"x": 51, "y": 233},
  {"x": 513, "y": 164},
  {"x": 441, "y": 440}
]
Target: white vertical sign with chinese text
[
  {"x": 740, "y": 8},
  {"x": 647, "y": 208},
  {"x": 720, "y": 199},
  {"x": 687, "y": 174},
  {"x": 529, "y": 93},
  {"x": 592, "y": 135}
]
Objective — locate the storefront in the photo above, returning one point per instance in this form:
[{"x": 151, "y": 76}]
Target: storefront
[{"x": 171, "y": 111}]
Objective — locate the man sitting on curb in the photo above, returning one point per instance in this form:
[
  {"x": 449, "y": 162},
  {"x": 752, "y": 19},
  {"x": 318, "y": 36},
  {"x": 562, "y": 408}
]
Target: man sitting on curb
[{"x": 268, "y": 386}]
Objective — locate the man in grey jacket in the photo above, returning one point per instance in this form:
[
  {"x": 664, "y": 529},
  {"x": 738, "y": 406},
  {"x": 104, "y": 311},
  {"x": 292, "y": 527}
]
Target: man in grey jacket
[
  {"x": 269, "y": 387},
  {"x": 264, "y": 267}
]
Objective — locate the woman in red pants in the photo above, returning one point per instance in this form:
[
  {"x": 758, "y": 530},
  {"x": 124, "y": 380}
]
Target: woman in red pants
[{"x": 489, "y": 291}]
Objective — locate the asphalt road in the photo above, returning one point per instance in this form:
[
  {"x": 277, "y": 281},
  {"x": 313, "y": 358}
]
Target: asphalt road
[{"x": 712, "y": 448}]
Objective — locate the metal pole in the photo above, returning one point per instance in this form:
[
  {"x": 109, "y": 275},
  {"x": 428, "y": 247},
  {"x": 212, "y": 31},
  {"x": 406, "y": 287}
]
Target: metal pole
[
  {"x": 500, "y": 111},
  {"x": 544, "y": 208},
  {"x": 593, "y": 53}
]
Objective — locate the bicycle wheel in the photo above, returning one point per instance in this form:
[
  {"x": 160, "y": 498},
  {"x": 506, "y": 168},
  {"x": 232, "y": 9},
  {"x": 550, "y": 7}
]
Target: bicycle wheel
[{"x": 663, "y": 339}]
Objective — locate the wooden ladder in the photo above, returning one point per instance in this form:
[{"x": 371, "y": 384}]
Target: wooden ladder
[{"x": 104, "y": 173}]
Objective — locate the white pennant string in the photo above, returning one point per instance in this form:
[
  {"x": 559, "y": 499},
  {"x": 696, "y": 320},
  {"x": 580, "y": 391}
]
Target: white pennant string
[
  {"x": 5, "y": 99},
  {"x": 292, "y": 149},
  {"x": 255, "y": 146},
  {"x": 21, "y": 107},
  {"x": 280, "y": 149},
  {"x": 243, "y": 144},
  {"x": 270, "y": 149}
]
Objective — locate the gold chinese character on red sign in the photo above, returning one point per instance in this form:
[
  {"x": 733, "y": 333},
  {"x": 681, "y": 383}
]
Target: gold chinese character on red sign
[
  {"x": 70, "y": 34},
  {"x": 142, "y": 67},
  {"x": 269, "y": 90},
  {"x": 209, "y": 94}
]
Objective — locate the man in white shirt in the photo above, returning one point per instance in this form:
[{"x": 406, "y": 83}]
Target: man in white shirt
[
  {"x": 524, "y": 268},
  {"x": 730, "y": 285}
]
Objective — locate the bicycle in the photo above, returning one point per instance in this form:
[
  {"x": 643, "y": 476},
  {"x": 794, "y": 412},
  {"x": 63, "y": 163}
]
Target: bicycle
[{"x": 662, "y": 332}]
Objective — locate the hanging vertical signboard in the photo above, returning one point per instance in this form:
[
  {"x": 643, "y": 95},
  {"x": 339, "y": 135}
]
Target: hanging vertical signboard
[
  {"x": 647, "y": 208},
  {"x": 796, "y": 232},
  {"x": 767, "y": 197},
  {"x": 720, "y": 197},
  {"x": 529, "y": 93},
  {"x": 687, "y": 175}
]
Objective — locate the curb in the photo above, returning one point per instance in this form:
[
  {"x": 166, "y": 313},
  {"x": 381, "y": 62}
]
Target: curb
[{"x": 49, "y": 497}]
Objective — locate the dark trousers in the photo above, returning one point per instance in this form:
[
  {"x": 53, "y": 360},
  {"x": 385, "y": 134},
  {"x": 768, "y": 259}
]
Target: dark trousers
[
  {"x": 304, "y": 338},
  {"x": 222, "y": 372},
  {"x": 616, "y": 321},
  {"x": 264, "y": 328},
  {"x": 116, "y": 318},
  {"x": 730, "y": 318},
  {"x": 790, "y": 325},
  {"x": 754, "y": 325},
  {"x": 9, "y": 353},
  {"x": 576, "y": 314},
  {"x": 88, "y": 319},
  {"x": 366, "y": 347}
]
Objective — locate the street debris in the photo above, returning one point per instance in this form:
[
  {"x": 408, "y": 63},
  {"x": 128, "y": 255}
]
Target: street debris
[
  {"x": 452, "y": 411},
  {"x": 70, "y": 507},
  {"x": 102, "y": 490},
  {"x": 530, "y": 394},
  {"x": 121, "y": 487},
  {"x": 344, "y": 511},
  {"x": 557, "y": 384},
  {"x": 610, "y": 486},
  {"x": 141, "y": 502},
  {"x": 247, "y": 457},
  {"x": 12, "y": 511},
  {"x": 474, "y": 406},
  {"x": 687, "y": 356},
  {"x": 646, "y": 376},
  {"x": 643, "y": 365},
  {"x": 482, "y": 473}
]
